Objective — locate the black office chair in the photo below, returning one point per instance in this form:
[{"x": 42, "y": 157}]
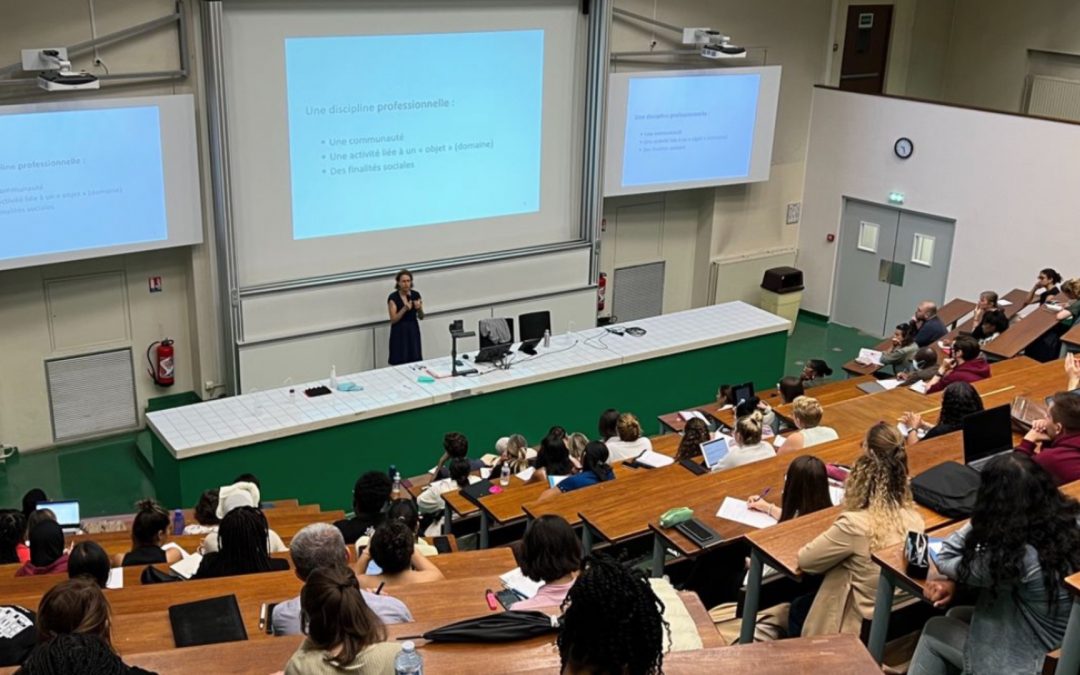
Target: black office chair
[{"x": 533, "y": 325}]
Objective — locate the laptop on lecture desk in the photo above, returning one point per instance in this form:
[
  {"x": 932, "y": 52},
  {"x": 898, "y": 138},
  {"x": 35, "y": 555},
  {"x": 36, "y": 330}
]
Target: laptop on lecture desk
[
  {"x": 987, "y": 434},
  {"x": 714, "y": 451},
  {"x": 66, "y": 512}
]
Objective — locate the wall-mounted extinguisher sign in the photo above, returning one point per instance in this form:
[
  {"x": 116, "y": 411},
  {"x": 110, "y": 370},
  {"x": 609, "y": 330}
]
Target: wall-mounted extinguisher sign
[
  {"x": 162, "y": 366},
  {"x": 601, "y": 291}
]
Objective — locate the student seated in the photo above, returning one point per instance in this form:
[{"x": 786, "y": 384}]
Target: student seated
[
  {"x": 76, "y": 653},
  {"x": 790, "y": 388},
  {"x": 814, "y": 372},
  {"x": 553, "y": 457},
  {"x": 595, "y": 469},
  {"x": 924, "y": 366},
  {"x": 149, "y": 532},
  {"x": 1046, "y": 287},
  {"x": 694, "y": 434},
  {"x": 88, "y": 559},
  {"x": 959, "y": 400},
  {"x": 550, "y": 552},
  {"x": 612, "y": 623},
  {"x": 370, "y": 495},
  {"x": 1048, "y": 346},
  {"x": 902, "y": 349},
  {"x": 808, "y": 413},
  {"x": 343, "y": 634},
  {"x": 878, "y": 513},
  {"x": 455, "y": 445},
  {"x": 31, "y": 499},
  {"x": 575, "y": 444},
  {"x": 993, "y": 323},
  {"x": 47, "y": 554},
  {"x": 630, "y": 443},
  {"x": 12, "y": 537},
  {"x": 928, "y": 326},
  {"x": 608, "y": 425},
  {"x": 514, "y": 453},
  {"x": 206, "y": 519},
  {"x": 393, "y": 550},
  {"x": 1054, "y": 442},
  {"x": 806, "y": 490},
  {"x": 405, "y": 511},
  {"x": 1022, "y": 541},
  {"x": 986, "y": 304},
  {"x": 243, "y": 547},
  {"x": 966, "y": 365},
  {"x": 321, "y": 546},
  {"x": 242, "y": 493},
  {"x": 431, "y": 501},
  {"x": 748, "y": 446}
]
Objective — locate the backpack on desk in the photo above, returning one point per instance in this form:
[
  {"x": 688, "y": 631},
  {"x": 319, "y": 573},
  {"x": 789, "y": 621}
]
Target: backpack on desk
[{"x": 948, "y": 489}]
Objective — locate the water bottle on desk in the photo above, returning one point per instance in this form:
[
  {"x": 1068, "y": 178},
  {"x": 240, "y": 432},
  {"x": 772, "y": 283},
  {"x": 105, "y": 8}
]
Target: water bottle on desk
[
  {"x": 504, "y": 475},
  {"x": 178, "y": 522},
  {"x": 547, "y": 338},
  {"x": 409, "y": 661},
  {"x": 396, "y": 492}
]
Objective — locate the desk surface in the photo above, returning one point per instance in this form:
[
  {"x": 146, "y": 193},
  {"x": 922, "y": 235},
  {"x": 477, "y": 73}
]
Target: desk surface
[
  {"x": 1072, "y": 337},
  {"x": 217, "y": 425},
  {"x": 1022, "y": 333}
]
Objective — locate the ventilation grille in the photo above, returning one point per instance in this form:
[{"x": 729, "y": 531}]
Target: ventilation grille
[
  {"x": 91, "y": 394},
  {"x": 1054, "y": 97},
  {"x": 638, "y": 292}
]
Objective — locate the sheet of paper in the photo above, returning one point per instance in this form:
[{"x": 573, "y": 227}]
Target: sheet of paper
[
  {"x": 116, "y": 578},
  {"x": 654, "y": 459},
  {"x": 553, "y": 481},
  {"x": 516, "y": 581},
  {"x": 836, "y": 493},
  {"x": 779, "y": 441},
  {"x": 1005, "y": 303},
  {"x": 889, "y": 385},
  {"x": 869, "y": 356},
  {"x": 188, "y": 566},
  {"x": 485, "y": 473},
  {"x": 919, "y": 387},
  {"x": 173, "y": 544},
  {"x": 526, "y": 474},
  {"x": 738, "y": 511},
  {"x": 687, "y": 415}
]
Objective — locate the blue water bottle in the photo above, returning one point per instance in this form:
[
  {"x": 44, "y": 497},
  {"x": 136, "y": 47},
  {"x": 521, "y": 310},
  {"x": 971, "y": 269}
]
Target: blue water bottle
[{"x": 178, "y": 522}]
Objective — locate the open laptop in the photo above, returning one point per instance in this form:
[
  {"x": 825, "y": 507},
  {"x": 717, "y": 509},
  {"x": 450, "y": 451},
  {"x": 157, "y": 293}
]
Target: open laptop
[
  {"x": 987, "y": 434},
  {"x": 67, "y": 514},
  {"x": 714, "y": 451}
]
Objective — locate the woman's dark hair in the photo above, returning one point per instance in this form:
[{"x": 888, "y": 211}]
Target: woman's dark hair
[
  {"x": 150, "y": 520},
  {"x": 73, "y": 653},
  {"x": 335, "y": 615},
  {"x": 12, "y": 533},
  {"x": 553, "y": 455},
  {"x": 46, "y": 542},
  {"x": 613, "y": 623},
  {"x": 460, "y": 468},
  {"x": 371, "y": 492},
  {"x": 31, "y": 499},
  {"x": 820, "y": 368},
  {"x": 206, "y": 509},
  {"x": 1018, "y": 505},
  {"x": 392, "y": 546},
  {"x": 791, "y": 388},
  {"x": 596, "y": 460},
  {"x": 242, "y": 541},
  {"x": 89, "y": 560},
  {"x": 404, "y": 511},
  {"x": 1051, "y": 274},
  {"x": 608, "y": 419},
  {"x": 694, "y": 434},
  {"x": 907, "y": 333},
  {"x": 966, "y": 346},
  {"x": 925, "y": 357},
  {"x": 996, "y": 321},
  {"x": 959, "y": 400},
  {"x": 549, "y": 550},
  {"x": 248, "y": 478},
  {"x": 74, "y": 606},
  {"x": 397, "y": 278},
  {"x": 806, "y": 488},
  {"x": 455, "y": 444}
]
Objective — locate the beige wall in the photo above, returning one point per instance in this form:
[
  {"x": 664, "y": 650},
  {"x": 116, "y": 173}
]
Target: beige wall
[{"x": 185, "y": 311}]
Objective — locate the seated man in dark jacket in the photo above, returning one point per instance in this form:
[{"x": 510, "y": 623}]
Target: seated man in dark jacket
[{"x": 927, "y": 324}]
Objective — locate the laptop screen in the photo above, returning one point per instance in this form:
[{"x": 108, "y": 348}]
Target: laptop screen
[
  {"x": 987, "y": 433},
  {"x": 67, "y": 513},
  {"x": 714, "y": 451}
]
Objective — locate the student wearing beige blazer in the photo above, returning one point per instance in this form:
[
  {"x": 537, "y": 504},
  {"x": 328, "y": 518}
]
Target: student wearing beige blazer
[{"x": 878, "y": 513}]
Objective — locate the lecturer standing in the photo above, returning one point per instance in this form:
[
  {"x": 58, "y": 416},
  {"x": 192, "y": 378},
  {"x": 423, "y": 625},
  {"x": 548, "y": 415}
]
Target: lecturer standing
[{"x": 406, "y": 309}]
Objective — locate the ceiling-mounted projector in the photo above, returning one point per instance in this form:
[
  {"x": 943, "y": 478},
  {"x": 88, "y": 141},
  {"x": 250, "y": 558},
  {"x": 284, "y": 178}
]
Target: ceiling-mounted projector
[
  {"x": 54, "y": 70},
  {"x": 712, "y": 43},
  {"x": 723, "y": 51}
]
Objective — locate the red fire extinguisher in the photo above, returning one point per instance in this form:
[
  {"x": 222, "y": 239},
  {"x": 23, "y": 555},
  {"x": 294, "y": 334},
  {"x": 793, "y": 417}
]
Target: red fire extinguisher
[
  {"x": 601, "y": 289},
  {"x": 162, "y": 367}
]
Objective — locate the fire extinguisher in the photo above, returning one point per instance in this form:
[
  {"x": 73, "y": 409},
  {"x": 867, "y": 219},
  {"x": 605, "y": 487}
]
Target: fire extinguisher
[
  {"x": 162, "y": 367},
  {"x": 601, "y": 289}
]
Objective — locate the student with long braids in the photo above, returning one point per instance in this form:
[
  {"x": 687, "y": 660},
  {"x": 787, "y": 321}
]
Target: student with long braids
[
  {"x": 243, "y": 547},
  {"x": 612, "y": 623},
  {"x": 1022, "y": 541},
  {"x": 878, "y": 513}
]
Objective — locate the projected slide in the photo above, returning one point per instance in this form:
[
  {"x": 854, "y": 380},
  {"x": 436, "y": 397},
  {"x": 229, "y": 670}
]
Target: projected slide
[
  {"x": 394, "y": 131},
  {"x": 683, "y": 129},
  {"x": 80, "y": 180}
]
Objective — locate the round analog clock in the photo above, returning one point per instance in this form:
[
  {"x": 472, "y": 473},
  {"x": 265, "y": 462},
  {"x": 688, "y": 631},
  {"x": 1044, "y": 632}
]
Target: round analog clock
[{"x": 903, "y": 147}]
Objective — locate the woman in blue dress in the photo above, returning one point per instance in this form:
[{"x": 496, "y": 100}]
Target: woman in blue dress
[{"x": 406, "y": 309}]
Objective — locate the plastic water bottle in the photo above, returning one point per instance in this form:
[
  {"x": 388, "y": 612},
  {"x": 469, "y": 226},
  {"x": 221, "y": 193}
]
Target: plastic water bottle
[
  {"x": 333, "y": 377},
  {"x": 547, "y": 338},
  {"x": 178, "y": 522},
  {"x": 409, "y": 661},
  {"x": 396, "y": 492},
  {"x": 504, "y": 475}
]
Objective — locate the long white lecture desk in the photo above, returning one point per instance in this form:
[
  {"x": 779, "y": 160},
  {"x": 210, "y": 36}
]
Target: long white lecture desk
[{"x": 217, "y": 425}]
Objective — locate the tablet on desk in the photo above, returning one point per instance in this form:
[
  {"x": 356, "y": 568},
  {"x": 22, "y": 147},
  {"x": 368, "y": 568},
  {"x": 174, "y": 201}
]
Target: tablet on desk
[{"x": 714, "y": 451}]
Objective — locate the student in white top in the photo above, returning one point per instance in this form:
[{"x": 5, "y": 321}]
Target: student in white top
[
  {"x": 431, "y": 501},
  {"x": 807, "y": 412},
  {"x": 243, "y": 493},
  {"x": 630, "y": 442},
  {"x": 748, "y": 446}
]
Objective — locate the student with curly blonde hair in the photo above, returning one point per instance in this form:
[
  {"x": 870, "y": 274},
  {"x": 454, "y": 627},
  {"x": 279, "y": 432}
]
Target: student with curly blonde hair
[{"x": 878, "y": 512}]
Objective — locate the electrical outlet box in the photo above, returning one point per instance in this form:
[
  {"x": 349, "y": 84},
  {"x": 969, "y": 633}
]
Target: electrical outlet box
[
  {"x": 33, "y": 61},
  {"x": 794, "y": 210},
  {"x": 693, "y": 36}
]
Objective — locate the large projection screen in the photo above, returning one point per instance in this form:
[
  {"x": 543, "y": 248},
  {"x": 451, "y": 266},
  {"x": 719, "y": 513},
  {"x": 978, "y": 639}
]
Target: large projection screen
[{"x": 373, "y": 135}]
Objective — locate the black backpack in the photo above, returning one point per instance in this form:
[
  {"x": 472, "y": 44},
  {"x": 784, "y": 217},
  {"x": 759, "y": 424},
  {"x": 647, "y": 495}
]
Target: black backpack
[{"x": 948, "y": 489}]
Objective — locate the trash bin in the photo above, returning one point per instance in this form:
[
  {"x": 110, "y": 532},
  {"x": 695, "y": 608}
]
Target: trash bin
[{"x": 781, "y": 293}]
